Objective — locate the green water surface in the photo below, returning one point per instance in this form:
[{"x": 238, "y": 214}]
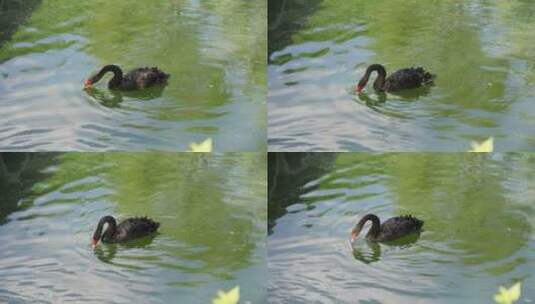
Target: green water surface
[
  {"x": 478, "y": 210},
  {"x": 212, "y": 211},
  {"x": 481, "y": 52},
  {"x": 214, "y": 51}
]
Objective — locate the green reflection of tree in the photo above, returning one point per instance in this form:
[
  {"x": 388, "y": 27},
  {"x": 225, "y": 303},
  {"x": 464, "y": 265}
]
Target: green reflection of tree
[
  {"x": 197, "y": 46},
  {"x": 286, "y": 17},
  {"x": 48, "y": 20},
  {"x": 20, "y": 175},
  {"x": 518, "y": 17},
  {"x": 463, "y": 201},
  {"x": 193, "y": 196},
  {"x": 212, "y": 208},
  {"x": 12, "y": 14},
  {"x": 287, "y": 175},
  {"x": 446, "y": 42},
  {"x": 214, "y": 50},
  {"x": 440, "y": 36},
  {"x": 464, "y": 198}
]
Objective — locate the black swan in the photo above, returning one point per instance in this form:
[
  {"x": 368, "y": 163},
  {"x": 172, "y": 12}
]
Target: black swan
[
  {"x": 139, "y": 78},
  {"x": 391, "y": 229},
  {"x": 409, "y": 78},
  {"x": 128, "y": 229}
]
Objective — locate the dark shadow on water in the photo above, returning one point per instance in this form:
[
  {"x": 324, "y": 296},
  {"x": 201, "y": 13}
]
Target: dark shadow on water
[
  {"x": 374, "y": 253},
  {"x": 113, "y": 98},
  {"x": 19, "y": 171},
  {"x": 12, "y": 14},
  {"x": 287, "y": 174},
  {"x": 106, "y": 252},
  {"x": 286, "y": 17}
]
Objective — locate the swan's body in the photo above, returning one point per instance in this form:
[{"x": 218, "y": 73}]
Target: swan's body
[
  {"x": 409, "y": 78},
  {"x": 128, "y": 229},
  {"x": 391, "y": 229},
  {"x": 139, "y": 78}
]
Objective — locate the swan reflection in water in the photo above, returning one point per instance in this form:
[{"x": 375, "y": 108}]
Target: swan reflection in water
[
  {"x": 106, "y": 253},
  {"x": 113, "y": 98},
  {"x": 369, "y": 251}
]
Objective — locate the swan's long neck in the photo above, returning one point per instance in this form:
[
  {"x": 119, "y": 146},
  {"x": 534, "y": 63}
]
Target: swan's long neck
[
  {"x": 381, "y": 76},
  {"x": 376, "y": 225},
  {"x": 112, "y": 227},
  {"x": 379, "y": 83},
  {"x": 117, "y": 75}
]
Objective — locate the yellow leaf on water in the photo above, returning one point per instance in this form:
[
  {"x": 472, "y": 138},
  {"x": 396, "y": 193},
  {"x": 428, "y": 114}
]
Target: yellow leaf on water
[
  {"x": 485, "y": 146},
  {"x": 230, "y": 297},
  {"x": 205, "y": 146},
  {"x": 508, "y": 296}
]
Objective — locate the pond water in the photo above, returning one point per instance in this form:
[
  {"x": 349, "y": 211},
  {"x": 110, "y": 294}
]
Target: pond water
[
  {"x": 481, "y": 52},
  {"x": 214, "y": 51},
  {"x": 212, "y": 210},
  {"x": 478, "y": 210}
]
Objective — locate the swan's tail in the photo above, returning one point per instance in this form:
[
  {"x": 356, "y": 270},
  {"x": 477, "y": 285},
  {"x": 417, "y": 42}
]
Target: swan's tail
[
  {"x": 150, "y": 224},
  {"x": 427, "y": 78},
  {"x": 417, "y": 223},
  {"x": 162, "y": 76}
]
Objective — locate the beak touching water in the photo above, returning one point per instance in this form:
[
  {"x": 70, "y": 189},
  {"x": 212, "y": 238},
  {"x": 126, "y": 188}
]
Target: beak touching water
[
  {"x": 359, "y": 88},
  {"x": 87, "y": 84},
  {"x": 353, "y": 236},
  {"x": 93, "y": 243}
]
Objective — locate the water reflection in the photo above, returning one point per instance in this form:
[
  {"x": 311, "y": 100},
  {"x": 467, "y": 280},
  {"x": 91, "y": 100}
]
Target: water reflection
[
  {"x": 484, "y": 93},
  {"x": 476, "y": 236},
  {"x": 113, "y": 98},
  {"x": 214, "y": 51},
  {"x": 211, "y": 209},
  {"x": 285, "y": 18},
  {"x": 18, "y": 173},
  {"x": 288, "y": 173},
  {"x": 106, "y": 252},
  {"x": 373, "y": 254},
  {"x": 14, "y": 13}
]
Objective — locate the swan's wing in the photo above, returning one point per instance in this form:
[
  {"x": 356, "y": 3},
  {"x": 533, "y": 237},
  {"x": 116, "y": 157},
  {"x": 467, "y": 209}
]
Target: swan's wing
[
  {"x": 401, "y": 225},
  {"x": 136, "y": 227}
]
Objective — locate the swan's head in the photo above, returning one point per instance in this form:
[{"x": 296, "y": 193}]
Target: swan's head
[
  {"x": 362, "y": 83},
  {"x": 355, "y": 233},
  {"x": 88, "y": 83},
  {"x": 96, "y": 237}
]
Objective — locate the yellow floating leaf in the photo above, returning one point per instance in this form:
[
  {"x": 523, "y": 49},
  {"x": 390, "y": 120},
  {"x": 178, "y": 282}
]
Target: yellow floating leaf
[
  {"x": 483, "y": 147},
  {"x": 508, "y": 296},
  {"x": 205, "y": 146},
  {"x": 230, "y": 297}
]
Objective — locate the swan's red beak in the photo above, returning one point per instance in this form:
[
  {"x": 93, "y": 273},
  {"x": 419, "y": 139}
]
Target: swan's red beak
[
  {"x": 359, "y": 88},
  {"x": 353, "y": 236},
  {"x": 87, "y": 83},
  {"x": 93, "y": 243}
]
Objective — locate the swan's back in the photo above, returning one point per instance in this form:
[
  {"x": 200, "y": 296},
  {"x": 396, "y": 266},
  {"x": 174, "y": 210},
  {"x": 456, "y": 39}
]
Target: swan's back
[
  {"x": 135, "y": 227},
  {"x": 408, "y": 78},
  {"x": 399, "y": 226},
  {"x": 145, "y": 77}
]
